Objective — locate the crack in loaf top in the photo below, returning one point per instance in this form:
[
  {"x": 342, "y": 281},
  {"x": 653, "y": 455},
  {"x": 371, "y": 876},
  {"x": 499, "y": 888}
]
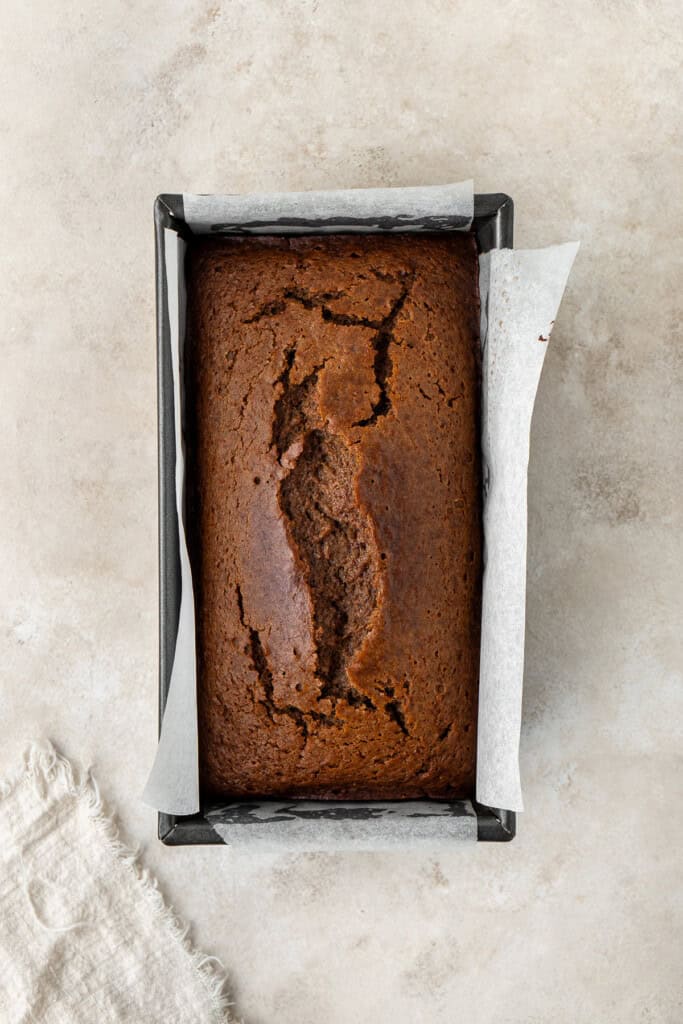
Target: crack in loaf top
[{"x": 333, "y": 506}]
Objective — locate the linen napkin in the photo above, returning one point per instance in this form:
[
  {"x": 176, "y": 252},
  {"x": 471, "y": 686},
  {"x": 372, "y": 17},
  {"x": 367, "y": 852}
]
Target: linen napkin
[{"x": 85, "y": 936}]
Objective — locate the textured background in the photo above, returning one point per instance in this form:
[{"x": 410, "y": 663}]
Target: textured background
[{"x": 572, "y": 108}]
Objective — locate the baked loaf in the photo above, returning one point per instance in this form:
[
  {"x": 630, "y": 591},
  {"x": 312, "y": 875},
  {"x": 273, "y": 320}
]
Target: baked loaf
[{"x": 334, "y": 510}]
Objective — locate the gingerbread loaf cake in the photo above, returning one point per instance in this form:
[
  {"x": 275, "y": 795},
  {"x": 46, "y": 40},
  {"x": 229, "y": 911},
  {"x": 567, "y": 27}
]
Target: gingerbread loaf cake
[{"x": 333, "y": 508}]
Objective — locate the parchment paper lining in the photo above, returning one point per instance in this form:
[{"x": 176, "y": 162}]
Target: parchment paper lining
[{"x": 520, "y": 295}]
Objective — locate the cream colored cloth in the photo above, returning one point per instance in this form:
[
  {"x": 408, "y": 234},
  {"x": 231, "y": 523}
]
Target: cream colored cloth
[{"x": 85, "y": 937}]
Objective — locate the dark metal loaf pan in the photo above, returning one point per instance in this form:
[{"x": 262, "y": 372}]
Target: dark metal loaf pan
[{"x": 493, "y": 228}]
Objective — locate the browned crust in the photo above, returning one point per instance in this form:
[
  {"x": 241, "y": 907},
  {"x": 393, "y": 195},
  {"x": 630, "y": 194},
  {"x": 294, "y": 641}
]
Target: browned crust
[{"x": 334, "y": 513}]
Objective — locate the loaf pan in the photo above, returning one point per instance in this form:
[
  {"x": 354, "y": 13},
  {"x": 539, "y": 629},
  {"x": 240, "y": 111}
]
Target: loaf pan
[{"x": 493, "y": 228}]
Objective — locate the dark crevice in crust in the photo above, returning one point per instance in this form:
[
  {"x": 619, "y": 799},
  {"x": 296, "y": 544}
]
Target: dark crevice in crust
[
  {"x": 260, "y": 665},
  {"x": 347, "y": 320},
  {"x": 330, "y": 535},
  {"x": 336, "y": 548},
  {"x": 394, "y": 709},
  {"x": 293, "y": 406},
  {"x": 258, "y": 658},
  {"x": 383, "y": 365},
  {"x": 315, "y": 300}
]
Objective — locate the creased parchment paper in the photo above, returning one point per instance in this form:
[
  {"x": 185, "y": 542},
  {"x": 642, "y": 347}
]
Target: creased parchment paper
[
  {"x": 520, "y": 293},
  {"x": 302, "y": 825},
  {"x": 173, "y": 784},
  {"x": 431, "y": 207}
]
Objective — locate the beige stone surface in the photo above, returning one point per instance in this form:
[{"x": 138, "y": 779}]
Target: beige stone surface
[{"x": 572, "y": 108}]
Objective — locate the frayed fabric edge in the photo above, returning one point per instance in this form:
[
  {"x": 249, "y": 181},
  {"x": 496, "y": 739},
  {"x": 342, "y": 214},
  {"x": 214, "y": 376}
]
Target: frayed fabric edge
[{"x": 53, "y": 775}]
